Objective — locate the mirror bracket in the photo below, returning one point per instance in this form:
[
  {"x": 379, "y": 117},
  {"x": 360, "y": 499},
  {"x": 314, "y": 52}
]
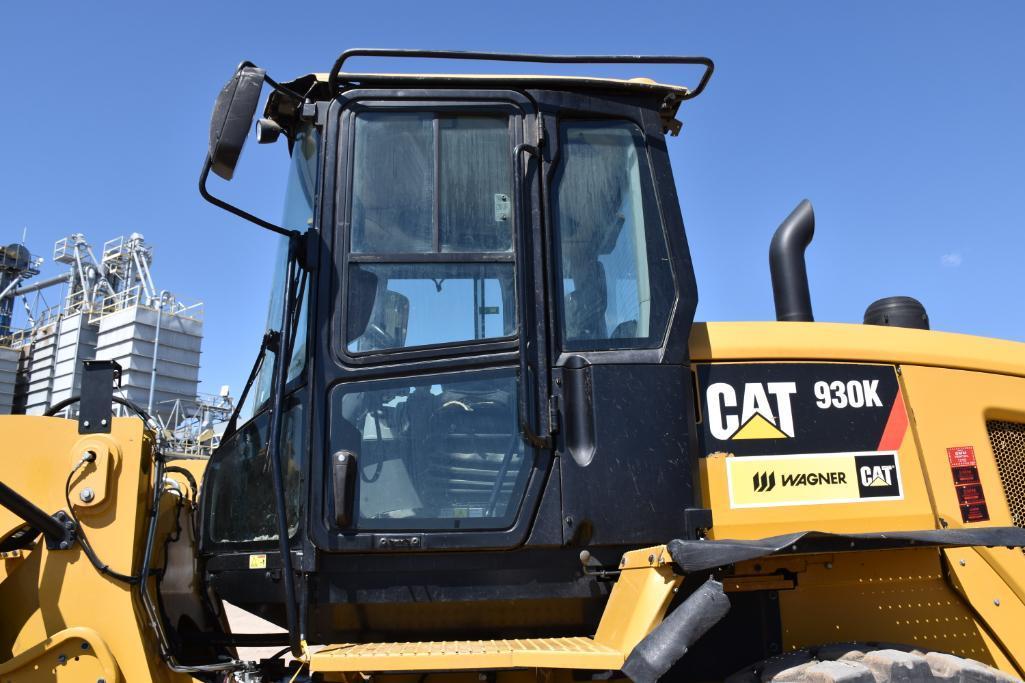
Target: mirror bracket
[{"x": 231, "y": 208}]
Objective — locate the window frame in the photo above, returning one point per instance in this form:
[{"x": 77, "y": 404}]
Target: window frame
[{"x": 516, "y": 116}]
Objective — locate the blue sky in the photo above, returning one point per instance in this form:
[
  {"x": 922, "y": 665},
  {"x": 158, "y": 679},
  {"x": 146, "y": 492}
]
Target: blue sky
[{"x": 904, "y": 123}]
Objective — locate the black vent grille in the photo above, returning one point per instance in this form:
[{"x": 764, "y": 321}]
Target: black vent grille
[{"x": 1008, "y": 441}]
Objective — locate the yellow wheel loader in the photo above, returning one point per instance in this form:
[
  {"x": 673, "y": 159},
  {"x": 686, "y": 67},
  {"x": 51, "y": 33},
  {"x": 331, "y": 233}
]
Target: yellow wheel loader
[{"x": 485, "y": 440}]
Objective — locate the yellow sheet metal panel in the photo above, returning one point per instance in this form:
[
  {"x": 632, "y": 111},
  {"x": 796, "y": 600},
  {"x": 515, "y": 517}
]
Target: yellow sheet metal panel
[
  {"x": 74, "y": 654},
  {"x": 46, "y": 594},
  {"x": 949, "y": 411},
  {"x": 750, "y": 341},
  {"x": 992, "y": 600},
  {"x": 639, "y": 599},
  {"x": 885, "y": 596}
]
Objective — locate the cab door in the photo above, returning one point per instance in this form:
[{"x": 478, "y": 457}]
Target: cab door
[
  {"x": 622, "y": 292},
  {"x": 434, "y": 379}
]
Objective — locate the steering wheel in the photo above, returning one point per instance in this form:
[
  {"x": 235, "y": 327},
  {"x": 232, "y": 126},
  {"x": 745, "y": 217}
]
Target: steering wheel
[{"x": 380, "y": 457}]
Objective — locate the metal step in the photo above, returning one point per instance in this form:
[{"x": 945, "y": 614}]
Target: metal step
[{"x": 471, "y": 655}]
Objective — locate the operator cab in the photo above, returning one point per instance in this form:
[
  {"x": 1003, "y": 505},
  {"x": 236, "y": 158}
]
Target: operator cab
[{"x": 484, "y": 297}]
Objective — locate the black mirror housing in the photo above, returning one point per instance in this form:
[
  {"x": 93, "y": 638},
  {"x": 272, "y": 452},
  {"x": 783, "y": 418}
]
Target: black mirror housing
[{"x": 232, "y": 118}]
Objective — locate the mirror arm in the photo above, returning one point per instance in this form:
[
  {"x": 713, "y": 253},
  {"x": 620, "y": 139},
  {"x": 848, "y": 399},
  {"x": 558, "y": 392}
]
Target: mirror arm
[
  {"x": 235, "y": 210},
  {"x": 283, "y": 90}
]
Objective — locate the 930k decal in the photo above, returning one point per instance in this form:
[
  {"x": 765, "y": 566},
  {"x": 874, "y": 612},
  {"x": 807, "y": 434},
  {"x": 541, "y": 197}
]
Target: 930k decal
[{"x": 779, "y": 408}]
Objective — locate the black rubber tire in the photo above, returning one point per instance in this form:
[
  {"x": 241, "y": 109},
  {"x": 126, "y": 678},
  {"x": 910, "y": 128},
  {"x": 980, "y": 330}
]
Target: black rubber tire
[{"x": 868, "y": 663}]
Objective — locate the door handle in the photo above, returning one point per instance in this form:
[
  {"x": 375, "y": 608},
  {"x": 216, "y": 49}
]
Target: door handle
[{"x": 343, "y": 476}]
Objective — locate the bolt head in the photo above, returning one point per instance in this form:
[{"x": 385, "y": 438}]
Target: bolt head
[
  {"x": 103, "y": 422},
  {"x": 86, "y": 495},
  {"x": 997, "y": 602},
  {"x": 651, "y": 558},
  {"x": 829, "y": 565},
  {"x": 962, "y": 563},
  {"x": 64, "y": 545},
  {"x": 62, "y": 659},
  {"x": 85, "y": 423}
]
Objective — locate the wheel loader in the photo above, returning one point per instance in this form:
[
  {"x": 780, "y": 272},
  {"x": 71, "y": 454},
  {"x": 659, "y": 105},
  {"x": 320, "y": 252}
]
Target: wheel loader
[{"x": 484, "y": 439}]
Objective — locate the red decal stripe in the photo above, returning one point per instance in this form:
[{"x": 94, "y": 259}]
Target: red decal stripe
[{"x": 896, "y": 426}]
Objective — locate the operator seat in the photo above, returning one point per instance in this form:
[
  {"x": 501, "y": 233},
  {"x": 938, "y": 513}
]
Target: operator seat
[{"x": 587, "y": 303}]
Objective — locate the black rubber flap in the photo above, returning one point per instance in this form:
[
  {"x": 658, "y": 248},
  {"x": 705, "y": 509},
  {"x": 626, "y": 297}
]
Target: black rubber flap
[
  {"x": 695, "y": 556},
  {"x": 660, "y": 649}
]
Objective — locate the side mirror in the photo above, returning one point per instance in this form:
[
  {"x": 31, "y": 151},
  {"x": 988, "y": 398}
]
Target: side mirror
[{"x": 232, "y": 118}]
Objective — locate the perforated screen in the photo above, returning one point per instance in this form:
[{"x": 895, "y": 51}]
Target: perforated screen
[{"x": 1008, "y": 441}]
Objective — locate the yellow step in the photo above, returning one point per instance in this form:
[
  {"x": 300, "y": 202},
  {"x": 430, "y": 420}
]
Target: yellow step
[{"x": 545, "y": 653}]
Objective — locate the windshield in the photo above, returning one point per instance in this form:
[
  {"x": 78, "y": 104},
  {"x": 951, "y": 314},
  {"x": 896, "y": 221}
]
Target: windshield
[
  {"x": 240, "y": 469},
  {"x": 298, "y": 215}
]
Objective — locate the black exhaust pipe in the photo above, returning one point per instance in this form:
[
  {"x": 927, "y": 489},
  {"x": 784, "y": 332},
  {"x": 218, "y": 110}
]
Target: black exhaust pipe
[{"x": 786, "y": 263}]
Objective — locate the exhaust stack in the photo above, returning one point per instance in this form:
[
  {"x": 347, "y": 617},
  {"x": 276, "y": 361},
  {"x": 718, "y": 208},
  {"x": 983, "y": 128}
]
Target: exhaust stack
[{"x": 786, "y": 264}]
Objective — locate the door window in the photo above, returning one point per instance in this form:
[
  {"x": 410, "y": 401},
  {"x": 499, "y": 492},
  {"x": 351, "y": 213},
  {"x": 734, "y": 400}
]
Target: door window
[
  {"x": 430, "y": 258},
  {"x": 438, "y": 452},
  {"x": 618, "y": 286}
]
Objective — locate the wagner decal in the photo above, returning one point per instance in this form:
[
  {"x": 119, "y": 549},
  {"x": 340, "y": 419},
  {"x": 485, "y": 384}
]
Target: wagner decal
[
  {"x": 813, "y": 479},
  {"x": 779, "y": 408}
]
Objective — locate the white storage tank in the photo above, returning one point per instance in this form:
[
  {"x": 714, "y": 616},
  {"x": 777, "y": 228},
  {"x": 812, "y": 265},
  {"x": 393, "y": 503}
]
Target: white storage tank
[
  {"x": 8, "y": 378},
  {"x": 130, "y": 337}
]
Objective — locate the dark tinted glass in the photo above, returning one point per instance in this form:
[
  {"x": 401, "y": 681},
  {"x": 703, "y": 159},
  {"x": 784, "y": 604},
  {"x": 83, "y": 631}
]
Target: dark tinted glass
[
  {"x": 395, "y": 305},
  {"x": 476, "y": 184},
  {"x": 618, "y": 286},
  {"x": 434, "y": 452},
  {"x": 239, "y": 488},
  {"x": 393, "y": 183}
]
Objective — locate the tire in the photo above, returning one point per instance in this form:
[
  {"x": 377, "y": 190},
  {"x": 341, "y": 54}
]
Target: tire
[{"x": 868, "y": 663}]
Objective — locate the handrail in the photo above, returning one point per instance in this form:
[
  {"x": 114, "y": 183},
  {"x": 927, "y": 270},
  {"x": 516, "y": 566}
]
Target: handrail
[{"x": 515, "y": 57}]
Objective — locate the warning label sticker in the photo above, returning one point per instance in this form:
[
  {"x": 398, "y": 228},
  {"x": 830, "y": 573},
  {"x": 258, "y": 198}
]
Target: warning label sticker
[
  {"x": 813, "y": 479},
  {"x": 970, "y": 496}
]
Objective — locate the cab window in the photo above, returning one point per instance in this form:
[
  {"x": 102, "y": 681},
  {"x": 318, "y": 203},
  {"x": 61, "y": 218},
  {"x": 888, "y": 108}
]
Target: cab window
[
  {"x": 618, "y": 287},
  {"x": 431, "y": 231},
  {"x": 434, "y": 452}
]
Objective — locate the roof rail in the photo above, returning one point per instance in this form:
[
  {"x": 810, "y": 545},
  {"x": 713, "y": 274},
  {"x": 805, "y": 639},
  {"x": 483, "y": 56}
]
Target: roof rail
[{"x": 514, "y": 57}]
